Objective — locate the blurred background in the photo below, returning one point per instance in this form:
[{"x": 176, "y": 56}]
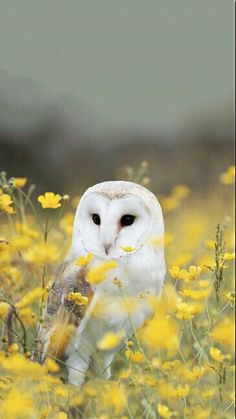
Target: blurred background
[{"x": 88, "y": 87}]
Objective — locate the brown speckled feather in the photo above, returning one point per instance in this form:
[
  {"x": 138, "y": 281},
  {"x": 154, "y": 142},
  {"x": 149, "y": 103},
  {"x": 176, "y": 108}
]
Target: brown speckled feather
[{"x": 62, "y": 316}]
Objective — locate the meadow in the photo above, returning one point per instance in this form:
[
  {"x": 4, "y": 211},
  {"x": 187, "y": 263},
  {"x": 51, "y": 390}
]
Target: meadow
[{"x": 179, "y": 364}]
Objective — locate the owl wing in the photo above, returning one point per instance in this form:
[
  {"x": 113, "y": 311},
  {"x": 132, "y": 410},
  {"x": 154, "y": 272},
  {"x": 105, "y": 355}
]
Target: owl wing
[{"x": 62, "y": 316}]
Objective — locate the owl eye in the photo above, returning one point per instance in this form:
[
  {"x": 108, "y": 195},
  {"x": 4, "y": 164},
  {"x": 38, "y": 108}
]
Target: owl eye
[
  {"x": 127, "y": 220},
  {"x": 96, "y": 219}
]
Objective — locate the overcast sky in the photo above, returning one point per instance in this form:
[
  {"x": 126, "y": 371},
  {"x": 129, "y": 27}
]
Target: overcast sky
[{"x": 132, "y": 61}]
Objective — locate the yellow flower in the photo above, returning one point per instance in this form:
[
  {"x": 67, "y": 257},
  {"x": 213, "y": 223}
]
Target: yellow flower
[
  {"x": 182, "y": 259},
  {"x": 99, "y": 272},
  {"x": 187, "y": 311},
  {"x": 224, "y": 333},
  {"x": 62, "y": 415},
  {"x": 128, "y": 249},
  {"x": 4, "y": 308},
  {"x": 21, "y": 242},
  {"x": 41, "y": 254},
  {"x": 85, "y": 260},
  {"x": 19, "y": 182},
  {"x": 229, "y": 256},
  {"x": 228, "y": 177},
  {"x": 182, "y": 391},
  {"x": 124, "y": 373},
  {"x": 30, "y": 297},
  {"x": 109, "y": 341},
  {"x": 169, "y": 203},
  {"x": 185, "y": 275},
  {"x": 180, "y": 191},
  {"x": 164, "y": 411},
  {"x": 192, "y": 273},
  {"x": 167, "y": 326},
  {"x": 60, "y": 338},
  {"x": 25, "y": 230},
  {"x": 18, "y": 403},
  {"x": 229, "y": 296},
  {"x": 197, "y": 412},
  {"x": 135, "y": 356},
  {"x": 52, "y": 365},
  {"x": 204, "y": 283},
  {"x": 114, "y": 395},
  {"x": 27, "y": 316},
  {"x": 62, "y": 391},
  {"x": 90, "y": 390},
  {"x": 217, "y": 355},
  {"x": 196, "y": 294},
  {"x": 50, "y": 200},
  {"x": 13, "y": 348},
  {"x": 174, "y": 271},
  {"x": 192, "y": 375},
  {"x": 209, "y": 393},
  {"x": 156, "y": 362},
  {"x": 5, "y": 203},
  {"x": 168, "y": 239},
  {"x": 78, "y": 298},
  {"x": 171, "y": 365},
  {"x": 77, "y": 400},
  {"x": 17, "y": 364},
  {"x": 166, "y": 390}
]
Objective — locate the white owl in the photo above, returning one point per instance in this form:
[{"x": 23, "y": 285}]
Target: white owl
[{"x": 111, "y": 218}]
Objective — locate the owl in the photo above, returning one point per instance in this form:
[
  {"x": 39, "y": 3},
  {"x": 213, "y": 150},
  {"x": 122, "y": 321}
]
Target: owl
[{"x": 115, "y": 221}]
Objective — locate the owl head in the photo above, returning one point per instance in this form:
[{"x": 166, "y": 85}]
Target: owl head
[{"x": 115, "y": 219}]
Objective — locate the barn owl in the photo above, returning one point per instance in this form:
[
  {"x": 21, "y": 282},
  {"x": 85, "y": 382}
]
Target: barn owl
[{"x": 115, "y": 221}]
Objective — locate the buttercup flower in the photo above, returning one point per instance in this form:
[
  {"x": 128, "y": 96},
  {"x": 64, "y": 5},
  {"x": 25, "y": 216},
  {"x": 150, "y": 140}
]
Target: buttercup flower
[
  {"x": 19, "y": 182},
  {"x": 4, "y": 308},
  {"x": 229, "y": 256},
  {"x": 196, "y": 294},
  {"x": 109, "y": 341},
  {"x": 135, "y": 356},
  {"x": 228, "y": 177},
  {"x": 5, "y": 203},
  {"x": 50, "y": 200},
  {"x": 85, "y": 260},
  {"x": 224, "y": 332},
  {"x": 187, "y": 311},
  {"x": 217, "y": 355},
  {"x": 180, "y": 191},
  {"x": 18, "y": 404},
  {"x": 229, "y": 296},
  {"x": 99, "y": 272},
  {"x": 164, "y": 411},
  {"x": 41, "y": 254},
  {"x": 78, "y": 298},
  {"x": 174, "y": 271}
]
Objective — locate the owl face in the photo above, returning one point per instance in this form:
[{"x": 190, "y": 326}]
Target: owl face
[{"x": 114, "y": 221}]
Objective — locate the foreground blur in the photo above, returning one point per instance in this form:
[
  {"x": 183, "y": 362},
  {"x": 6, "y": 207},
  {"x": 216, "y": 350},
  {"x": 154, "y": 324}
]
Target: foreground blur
[{"x": 179, "y": 364}]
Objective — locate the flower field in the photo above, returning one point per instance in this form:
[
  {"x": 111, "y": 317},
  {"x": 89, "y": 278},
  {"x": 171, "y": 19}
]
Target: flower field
[{"x": 179, "y": 364}]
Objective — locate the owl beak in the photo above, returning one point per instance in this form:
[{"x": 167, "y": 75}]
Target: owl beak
[
  {"x": 107, "y": 247},
  {"x": 108, "y": 237}
]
